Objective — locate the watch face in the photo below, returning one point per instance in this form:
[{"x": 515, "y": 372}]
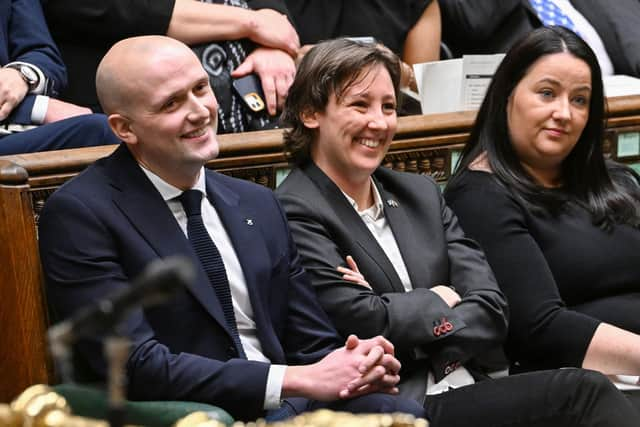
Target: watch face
[{"x": 30, "y": 76}]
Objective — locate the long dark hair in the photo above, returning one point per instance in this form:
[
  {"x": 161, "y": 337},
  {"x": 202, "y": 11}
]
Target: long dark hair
[{"x": 587, "y": 178}]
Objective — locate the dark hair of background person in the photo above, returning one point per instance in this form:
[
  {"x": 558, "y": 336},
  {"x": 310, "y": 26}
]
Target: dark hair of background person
[
  {"x": 608, "y": 191},
  {"x": 331, "y": 67}
]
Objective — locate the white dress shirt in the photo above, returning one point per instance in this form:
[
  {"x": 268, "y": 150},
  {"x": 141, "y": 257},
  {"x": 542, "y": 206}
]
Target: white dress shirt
[{"x": 239, "y": 292}]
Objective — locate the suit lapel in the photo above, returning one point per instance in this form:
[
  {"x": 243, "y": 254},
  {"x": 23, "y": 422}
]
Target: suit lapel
[
  {"x": 405, "y": 234},
  {"x": 353, "y": 223},
  {"x": 136, "y": 197}
]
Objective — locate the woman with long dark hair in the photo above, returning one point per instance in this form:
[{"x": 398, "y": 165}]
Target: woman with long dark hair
[{"x": 558, "y": 223}]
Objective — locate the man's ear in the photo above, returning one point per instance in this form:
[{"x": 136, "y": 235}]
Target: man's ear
[
  {"x": 121, "y": 126},
  {"x": 309, "y": 118}
]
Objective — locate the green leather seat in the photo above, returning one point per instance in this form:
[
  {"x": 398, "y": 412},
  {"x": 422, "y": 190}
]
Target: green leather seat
[{"x": 91, "y": 402}]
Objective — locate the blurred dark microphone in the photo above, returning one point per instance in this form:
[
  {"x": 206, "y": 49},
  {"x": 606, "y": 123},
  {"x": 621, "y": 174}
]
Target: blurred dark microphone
[{"x": 159, "y": 281}]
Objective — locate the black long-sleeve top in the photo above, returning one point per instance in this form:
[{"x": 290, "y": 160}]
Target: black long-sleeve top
[{"x": 561, "y": 274}]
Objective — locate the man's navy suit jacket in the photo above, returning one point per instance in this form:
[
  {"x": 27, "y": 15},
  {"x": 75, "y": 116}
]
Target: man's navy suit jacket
[
  {"x": 101, "y": 229},
  {"x": 25, "y": 37}
]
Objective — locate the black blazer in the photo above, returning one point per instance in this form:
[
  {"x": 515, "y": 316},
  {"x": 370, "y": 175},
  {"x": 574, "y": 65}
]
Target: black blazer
[{"x": 326, "y": 229}]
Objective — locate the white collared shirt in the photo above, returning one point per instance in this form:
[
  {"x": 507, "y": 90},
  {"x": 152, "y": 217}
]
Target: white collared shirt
[
  {"x": 239, "y": 292},
  {"x": 374, "y": 219}
]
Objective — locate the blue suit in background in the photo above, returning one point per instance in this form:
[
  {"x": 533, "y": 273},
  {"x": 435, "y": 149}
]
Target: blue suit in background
[{"x": 25, "y": 38}]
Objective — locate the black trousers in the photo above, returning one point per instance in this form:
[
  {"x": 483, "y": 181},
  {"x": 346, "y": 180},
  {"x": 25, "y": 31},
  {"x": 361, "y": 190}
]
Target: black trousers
[{"x": 561, "y": 397}]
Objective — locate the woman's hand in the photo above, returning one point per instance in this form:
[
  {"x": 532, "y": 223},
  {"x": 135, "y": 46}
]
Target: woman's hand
[
  {"x": 352, "y": 274},
  {"x": 450, "y": 296}
]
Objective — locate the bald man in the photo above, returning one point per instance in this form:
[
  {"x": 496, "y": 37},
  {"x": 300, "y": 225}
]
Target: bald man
[{"x": 280, "y": 355}]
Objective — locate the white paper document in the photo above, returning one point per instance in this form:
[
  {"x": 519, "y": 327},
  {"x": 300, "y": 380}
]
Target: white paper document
[
  {"x": 621, "y": 85},
  {"x": 455, "y": 84},
  {"x": 625, "y": 382},
  {"x": 439, "y": 85}
]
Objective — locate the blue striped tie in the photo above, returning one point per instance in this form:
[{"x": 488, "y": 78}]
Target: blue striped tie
[
  {"x": 211, "y": 260},
  {"x": 550, "y": 14}
]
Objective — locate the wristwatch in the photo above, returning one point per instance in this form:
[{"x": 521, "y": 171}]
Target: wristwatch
[{"x": 27, "y": 73}]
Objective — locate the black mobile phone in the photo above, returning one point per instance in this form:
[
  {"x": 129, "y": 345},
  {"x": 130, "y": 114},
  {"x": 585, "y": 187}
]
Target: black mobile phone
[{"x": 250, "y": 90}]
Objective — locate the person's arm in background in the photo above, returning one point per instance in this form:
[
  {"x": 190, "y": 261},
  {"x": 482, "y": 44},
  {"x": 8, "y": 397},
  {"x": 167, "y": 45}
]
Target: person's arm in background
[
  {"x": 275, "y": 69},
  {"x": 192, "y": 22},
  {"x": 543, "y": 331},
  {"x": 29, "y": 43},
  {"x": 422, "y": 44},
  {"x": 276, "y": 40},
  {"x": 60, "y": 110},
  {"x": 423, "y": 40},
  {"x": 189, "y": 21}
]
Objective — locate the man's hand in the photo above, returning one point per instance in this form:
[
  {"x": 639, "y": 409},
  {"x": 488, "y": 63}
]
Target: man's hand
[
  {"x": 449, "y": 296},
  {"x": 276, "y": 70},
  {"x": 59, "y": 110},
  {"x": 379, "y": 353},
  {"x": 12, "y": 90},
  {"x": 273, "y": 29},
  {"x": 360, "y": 367}
]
